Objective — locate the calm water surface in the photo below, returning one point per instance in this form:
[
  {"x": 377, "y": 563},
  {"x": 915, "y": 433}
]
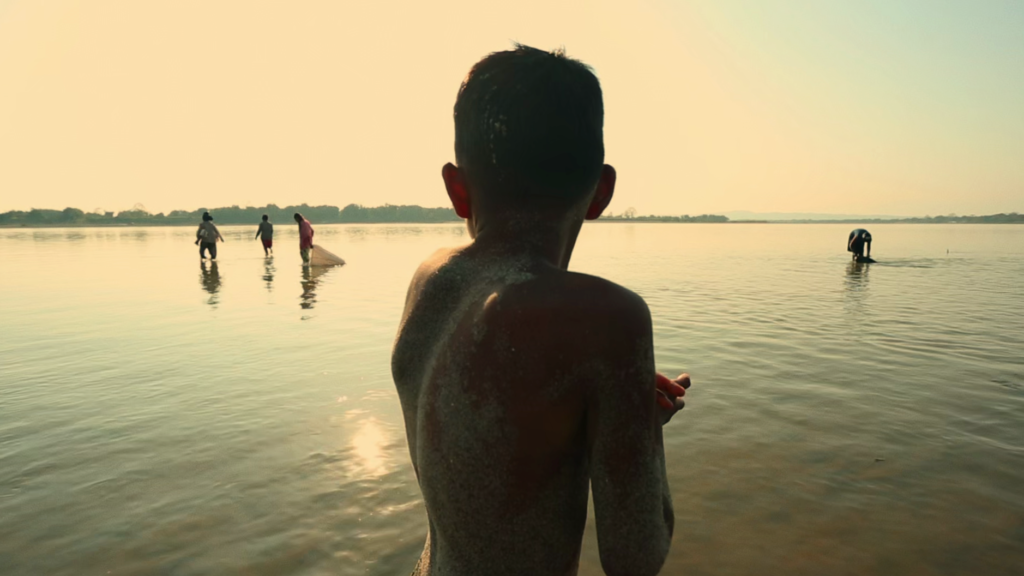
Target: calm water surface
[{"x": 161, "y": 417}]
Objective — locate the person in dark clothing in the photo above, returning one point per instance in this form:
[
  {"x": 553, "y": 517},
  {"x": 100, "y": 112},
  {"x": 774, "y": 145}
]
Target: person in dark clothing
[
  {"x": 858, "y": 239},
  {"x": 266, "y": 230}
]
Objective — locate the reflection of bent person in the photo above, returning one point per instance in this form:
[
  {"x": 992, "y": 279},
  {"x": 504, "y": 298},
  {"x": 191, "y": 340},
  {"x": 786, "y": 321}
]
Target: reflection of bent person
[{"x": 858, "y": 239}]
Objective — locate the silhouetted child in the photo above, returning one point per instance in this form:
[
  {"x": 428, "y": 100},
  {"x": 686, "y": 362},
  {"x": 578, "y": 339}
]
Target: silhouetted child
[
  {"x": 522, "y": 383},
  {"x": 266, "y": 230}
]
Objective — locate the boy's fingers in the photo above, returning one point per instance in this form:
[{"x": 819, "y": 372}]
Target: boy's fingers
[
  {"x": 664, "y": 402},
  {"x": 683, "y": 380},
  {"x": 669, "y": 387},
  {"x": 672, "y": 389}
]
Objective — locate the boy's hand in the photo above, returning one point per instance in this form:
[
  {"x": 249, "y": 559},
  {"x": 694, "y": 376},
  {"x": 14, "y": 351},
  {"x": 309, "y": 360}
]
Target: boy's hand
[{"x": 669, "y": 394}]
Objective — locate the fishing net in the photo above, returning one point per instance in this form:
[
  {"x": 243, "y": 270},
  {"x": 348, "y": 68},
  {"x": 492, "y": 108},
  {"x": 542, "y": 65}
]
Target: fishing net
[{"x": 321, "y": 257}]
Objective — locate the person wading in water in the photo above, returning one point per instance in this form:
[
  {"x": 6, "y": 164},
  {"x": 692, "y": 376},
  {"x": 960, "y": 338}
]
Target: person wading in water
[
  {"x": 207, "y": 236},
  {"x": 305, "y": 237}
]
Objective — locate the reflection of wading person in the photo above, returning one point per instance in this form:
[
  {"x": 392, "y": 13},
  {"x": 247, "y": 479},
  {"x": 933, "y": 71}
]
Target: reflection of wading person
[
  {"x": 858, "y": 238},
  {"x": 207, "y": 236},
  {"x": 305, "y": 237}
]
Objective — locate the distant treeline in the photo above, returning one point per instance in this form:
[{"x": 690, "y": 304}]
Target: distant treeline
[
  {"x": 1011, "y": 218},
  {"x": 139, "y": 216},
  {"x": 353, "y": 213},
  {"x": 684, "y": 218},
  {"x": 356, "y": 214}
]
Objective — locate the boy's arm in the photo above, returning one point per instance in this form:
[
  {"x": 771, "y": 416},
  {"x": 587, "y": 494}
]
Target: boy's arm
[
  {"x": 259, "y": 230},
  {"x": 632, "y": 504},
  {"x": 217, "y": 230}
]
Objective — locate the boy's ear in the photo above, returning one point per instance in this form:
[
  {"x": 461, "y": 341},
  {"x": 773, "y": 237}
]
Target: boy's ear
[
  {"x": 603, "y": 194},
  {"x": 458, "y": 192}
]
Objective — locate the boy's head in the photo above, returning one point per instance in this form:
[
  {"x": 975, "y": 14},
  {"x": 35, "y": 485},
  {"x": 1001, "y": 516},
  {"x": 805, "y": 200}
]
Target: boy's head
[
  {"x": 207, "y": 217},
  {"x": 298, "y": 217},
  {"x": 529, "y": 131},
  {"x": 266, "y": 218}
]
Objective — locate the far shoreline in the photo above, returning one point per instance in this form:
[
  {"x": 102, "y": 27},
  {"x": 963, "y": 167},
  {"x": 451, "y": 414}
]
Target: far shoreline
[
  {"x": 138, "y": 216},
  {"x": 42, "y": 226}
]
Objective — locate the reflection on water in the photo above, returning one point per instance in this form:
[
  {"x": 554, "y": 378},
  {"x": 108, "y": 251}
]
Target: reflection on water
[
  {"x": 369, "y": 444},
  {"x": 857, "y": 276},
  {"x": 445, "y": 233},
  {"x": 856, "y": 288},
  {"x": 209, "y": 278},
  {"x": 310, "y": 280},
  {"x": 818, "y": 438},
  {"x": 268, "y": 272}
]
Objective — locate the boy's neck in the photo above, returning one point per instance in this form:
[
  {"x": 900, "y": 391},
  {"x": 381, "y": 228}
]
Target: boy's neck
[{"x": 549, "y": 241}]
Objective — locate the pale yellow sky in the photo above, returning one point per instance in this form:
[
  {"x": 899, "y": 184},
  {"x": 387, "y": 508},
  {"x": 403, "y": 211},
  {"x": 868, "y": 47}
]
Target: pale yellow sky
[{"x": 912, "y": 107}]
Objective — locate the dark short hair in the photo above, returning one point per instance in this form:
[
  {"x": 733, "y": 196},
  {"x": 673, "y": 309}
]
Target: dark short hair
[
  {"x": 265, "y": 217},
  {"x": 207, "y": 217},
  {"x": 298, "y": 216},
  {"x": 532, "y": 122}
]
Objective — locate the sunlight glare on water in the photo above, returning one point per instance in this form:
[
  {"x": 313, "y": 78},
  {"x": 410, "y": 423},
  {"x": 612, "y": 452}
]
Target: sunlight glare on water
[{"x": 158, "y": 415}]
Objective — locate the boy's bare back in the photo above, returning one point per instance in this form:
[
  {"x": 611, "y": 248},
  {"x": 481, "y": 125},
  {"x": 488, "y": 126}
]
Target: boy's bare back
[{"x": 524, "y": 385}]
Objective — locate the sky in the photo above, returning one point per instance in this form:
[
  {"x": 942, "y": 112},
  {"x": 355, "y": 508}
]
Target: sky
[{"x": 913, "y": 107}]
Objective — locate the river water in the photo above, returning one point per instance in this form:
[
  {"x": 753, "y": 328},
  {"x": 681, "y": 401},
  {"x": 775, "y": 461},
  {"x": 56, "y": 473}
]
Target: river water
[{"x": 162, "y": 417}]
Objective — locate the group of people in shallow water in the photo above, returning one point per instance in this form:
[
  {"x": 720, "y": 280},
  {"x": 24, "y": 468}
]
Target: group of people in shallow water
[{"x": 208, "y": 235}]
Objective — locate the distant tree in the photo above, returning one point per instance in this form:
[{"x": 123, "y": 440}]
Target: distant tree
[
  {"x": 72, "y": 215},
  {"x": 354, "y": 213},
  {"x": 38, "y": 216},
  {"x": 630, "y": 213}
]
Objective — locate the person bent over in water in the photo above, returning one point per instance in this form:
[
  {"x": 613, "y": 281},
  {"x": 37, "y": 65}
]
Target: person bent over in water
[
  {"x": 305, "y": 237},
  {"x": 858, "y": 238},
  {"x": 523, "y": 384}
]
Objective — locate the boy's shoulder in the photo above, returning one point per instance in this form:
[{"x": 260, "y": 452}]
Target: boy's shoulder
[
  {"x": 575, "y": 293},
  {"x": 547, "y": 305},
  {"x": 559, "y": 292},
  {"x": 573, "y": 305}
]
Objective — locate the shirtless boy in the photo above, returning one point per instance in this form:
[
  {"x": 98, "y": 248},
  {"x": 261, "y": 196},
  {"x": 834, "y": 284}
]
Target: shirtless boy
[
  {"x": 521, "y": 382},
  {"x": 266, "y": 230}
]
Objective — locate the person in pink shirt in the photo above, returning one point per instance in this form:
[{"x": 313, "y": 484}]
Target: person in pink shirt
[{"x": 305, "y": 237}]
